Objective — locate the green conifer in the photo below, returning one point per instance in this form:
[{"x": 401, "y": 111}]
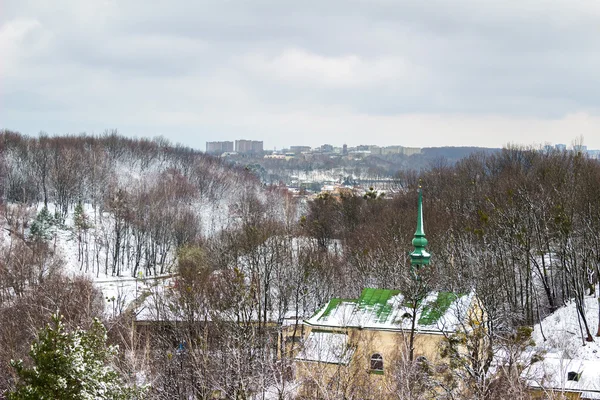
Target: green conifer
[
  {"x": 71, "y": 365},
  {"x": 41, "y": 228}
]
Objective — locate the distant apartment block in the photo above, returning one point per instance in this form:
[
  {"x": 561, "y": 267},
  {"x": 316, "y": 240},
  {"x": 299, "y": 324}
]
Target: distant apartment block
[
  {"x": 327, "y": 148},
  {"x": 594, "y": 154},
  {"x": 375, "y": 150},
  {"x": 578, "y": 148},
  {"x": 299, "y": 149},
  {"x": 378, "y": 151},
  {"x": 219, "y": 147},
  {"x": 248, "y": 146},
  {"x": 407, "y": 151},
  {"x": 560, "y": 147}
]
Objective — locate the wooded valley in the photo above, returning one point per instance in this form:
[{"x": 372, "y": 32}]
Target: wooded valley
[{"x": 231, "y": 260}]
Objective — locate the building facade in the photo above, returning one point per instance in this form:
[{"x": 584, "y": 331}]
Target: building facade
[
  {"x": 300, "y": 149},
  {"x": 219, "y": 147},
  {"x": 248, "y": 146}
]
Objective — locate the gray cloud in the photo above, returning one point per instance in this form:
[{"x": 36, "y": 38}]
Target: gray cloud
[{"x": 460, "y": 72}]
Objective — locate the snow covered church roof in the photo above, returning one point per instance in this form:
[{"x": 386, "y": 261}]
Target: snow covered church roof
[{"x": 387, "y": 309}]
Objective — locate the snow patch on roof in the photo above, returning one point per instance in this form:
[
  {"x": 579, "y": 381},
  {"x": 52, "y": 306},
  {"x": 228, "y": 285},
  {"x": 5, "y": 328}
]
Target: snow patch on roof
[
  {"x": 388, "y": 309},
  {"x": 553, "y": 373},
  {"x": 326, "y": 347}
]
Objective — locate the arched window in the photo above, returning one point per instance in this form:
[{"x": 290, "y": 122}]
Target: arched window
[{"x": 376, "y": 362}]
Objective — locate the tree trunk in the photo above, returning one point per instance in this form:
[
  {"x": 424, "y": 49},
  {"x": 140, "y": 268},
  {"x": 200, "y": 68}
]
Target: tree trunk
[{"x": 598, "y": 332}]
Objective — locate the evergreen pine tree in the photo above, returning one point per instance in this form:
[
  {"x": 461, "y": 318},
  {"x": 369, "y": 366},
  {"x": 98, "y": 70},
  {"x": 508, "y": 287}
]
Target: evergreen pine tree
[
  {"x": 70, "y": 365},
  {"x": 80, "y": 218},
  {"x": 41, "y": 228}
]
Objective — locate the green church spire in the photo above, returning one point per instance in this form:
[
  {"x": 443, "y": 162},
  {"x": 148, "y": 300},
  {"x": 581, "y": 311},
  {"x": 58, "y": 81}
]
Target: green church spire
[{"x": 419, "y": 256}]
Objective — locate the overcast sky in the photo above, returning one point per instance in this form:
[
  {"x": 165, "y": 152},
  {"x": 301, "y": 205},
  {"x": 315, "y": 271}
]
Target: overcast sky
[{"x": 414, "y": 73}]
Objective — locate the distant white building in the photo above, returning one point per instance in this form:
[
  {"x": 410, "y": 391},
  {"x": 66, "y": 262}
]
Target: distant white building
[
  {"x": 248, "y": 146},
  {"x": 219, "y": 147},
  {"x": 594, "y": 154},
  {"x": 560, "y": 147}
]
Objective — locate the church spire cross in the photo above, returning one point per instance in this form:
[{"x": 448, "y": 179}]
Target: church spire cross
[{"x": 419, "y": 256}]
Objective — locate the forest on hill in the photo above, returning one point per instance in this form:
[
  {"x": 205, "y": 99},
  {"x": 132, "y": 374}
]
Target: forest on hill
[{"x": 520, "y": 227}]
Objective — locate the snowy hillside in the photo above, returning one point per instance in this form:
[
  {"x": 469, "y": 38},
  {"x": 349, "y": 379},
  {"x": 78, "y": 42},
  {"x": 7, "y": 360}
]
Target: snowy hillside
[
  {"x": 560, "y": 334},
  {"x": 118, "y": 210},
  {"x": 123, "y": 260}
]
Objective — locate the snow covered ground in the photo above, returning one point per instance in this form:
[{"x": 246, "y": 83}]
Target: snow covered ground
[
  {"x": 563, "y": 335},
  {"x": 118, "y": 291},
  {"x": 566, "y": 355}
]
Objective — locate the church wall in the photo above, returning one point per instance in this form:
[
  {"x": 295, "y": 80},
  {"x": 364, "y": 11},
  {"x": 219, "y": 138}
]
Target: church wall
[
  {"x": 357, "y": 376},
  {"x": 390, "y": 343},
  {"x": 545, "y": 394}
]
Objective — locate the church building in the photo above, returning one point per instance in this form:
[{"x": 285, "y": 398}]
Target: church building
[{"x": 361, "y": 342}]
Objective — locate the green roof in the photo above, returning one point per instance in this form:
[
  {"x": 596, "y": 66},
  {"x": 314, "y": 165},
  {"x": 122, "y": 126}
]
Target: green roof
[
  {"x": 377, "y": 299},
  {"x": 432, "y": 311},
  {"x": 381, "y": 309},
  {"x": 333, "y": 303}
]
